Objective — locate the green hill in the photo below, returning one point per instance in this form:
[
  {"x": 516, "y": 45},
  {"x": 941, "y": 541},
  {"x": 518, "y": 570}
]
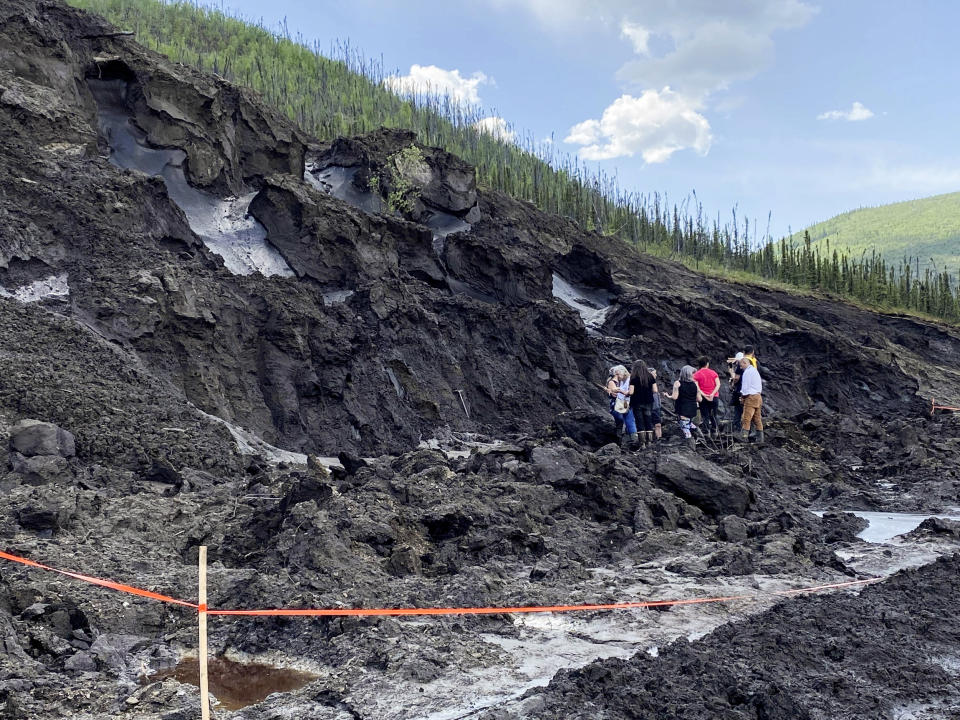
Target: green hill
[{"x": 924, "y": 232}]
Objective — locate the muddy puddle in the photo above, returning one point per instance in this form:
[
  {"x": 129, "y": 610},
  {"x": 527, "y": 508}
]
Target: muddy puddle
[
  {"x": 885, "y": 526},
  {"x": 237, "y": 685}
]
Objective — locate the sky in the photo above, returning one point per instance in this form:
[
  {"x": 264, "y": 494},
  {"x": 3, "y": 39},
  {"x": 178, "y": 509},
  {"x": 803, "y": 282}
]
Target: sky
[{"x": 794, "y": 110}]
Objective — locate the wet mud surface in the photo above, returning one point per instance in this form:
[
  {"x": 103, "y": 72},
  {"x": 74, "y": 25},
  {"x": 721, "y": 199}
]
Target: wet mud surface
[
  {"x": 408, "y": 417},
  {"x": 235, "y": 685}
]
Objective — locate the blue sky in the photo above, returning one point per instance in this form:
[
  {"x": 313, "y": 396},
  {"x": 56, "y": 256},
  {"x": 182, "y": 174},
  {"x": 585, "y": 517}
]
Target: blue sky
[{"x": 798, "y": 108}]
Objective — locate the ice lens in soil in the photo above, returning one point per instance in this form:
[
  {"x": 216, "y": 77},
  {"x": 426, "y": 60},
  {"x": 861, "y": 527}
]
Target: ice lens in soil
[
  {"x": 237, "y": 685},
  {"x": 222, "y": 223}
]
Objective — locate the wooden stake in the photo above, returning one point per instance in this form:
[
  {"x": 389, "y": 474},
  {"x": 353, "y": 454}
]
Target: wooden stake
[{"x": 202, "y": 652}]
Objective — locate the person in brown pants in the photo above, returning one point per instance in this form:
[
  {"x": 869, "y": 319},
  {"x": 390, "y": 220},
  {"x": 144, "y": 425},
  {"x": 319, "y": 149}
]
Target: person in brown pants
[{"x": 751, "y": 390}]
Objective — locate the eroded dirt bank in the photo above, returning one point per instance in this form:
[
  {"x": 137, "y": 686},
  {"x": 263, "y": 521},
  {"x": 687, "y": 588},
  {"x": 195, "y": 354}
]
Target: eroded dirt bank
[{"x": 176, "y": 256}]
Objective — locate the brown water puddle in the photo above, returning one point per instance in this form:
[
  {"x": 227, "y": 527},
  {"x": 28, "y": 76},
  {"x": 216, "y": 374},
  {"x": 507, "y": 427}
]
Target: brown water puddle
[{"x": 237, "y": 685}]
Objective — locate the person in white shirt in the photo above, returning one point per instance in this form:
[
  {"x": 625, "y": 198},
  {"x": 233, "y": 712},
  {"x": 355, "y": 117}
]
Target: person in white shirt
[{"x": 751, "y": 389}]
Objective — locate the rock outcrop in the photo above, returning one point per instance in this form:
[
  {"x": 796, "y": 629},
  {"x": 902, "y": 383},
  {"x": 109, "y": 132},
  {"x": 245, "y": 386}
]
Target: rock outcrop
[{"x": 35, "y": 437}]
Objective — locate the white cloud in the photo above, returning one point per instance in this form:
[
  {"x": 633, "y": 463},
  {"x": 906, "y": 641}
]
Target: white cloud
[
  {"x": 655, "y": 125},
  {"x": 856, "y": 113},
  {"x": 709, "y": 59},
  {"x": 556, "y": 15},
  {"x": 672, "y": 16},
  {"x": 432, "y": 80},
  {"x": 585, "y": 133},
  {"x": 638, "y": 36},
  {"x": 706, "y": 45},
  {"x": 692, "y": 49},
  {"x": 497, "y": 127}
]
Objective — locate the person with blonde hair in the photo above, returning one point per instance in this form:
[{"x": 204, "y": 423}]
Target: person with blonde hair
[{"x": 618, "y": 390}]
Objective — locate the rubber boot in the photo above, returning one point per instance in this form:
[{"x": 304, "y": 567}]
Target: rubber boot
[
  {"x": 759, "y": 439},
  {"x": 649, "y": 437},
  {"x": 745, "y": 436},
  {"x": 691, "y": 443},
  {"x": 633, "y": 441}
]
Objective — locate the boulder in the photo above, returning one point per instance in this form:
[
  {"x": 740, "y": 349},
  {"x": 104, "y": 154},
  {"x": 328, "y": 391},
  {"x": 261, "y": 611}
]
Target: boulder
[
  {"x": 81, "y": 661},
  {"x": 701, "y": 483},
  {"x": 41, "y": 469},
  {"x": 935, "y": 526},
  {"x": 588, "y": 428},
  {"x": 732, "y": 529},
  {"x": 664, "y": 509},
  {"x": 115, "y": 651},
  {"x": 642, "y": 519},
  {"x": 556, "y": 465},
  {"x": 403, "y": 561},
  {"x": 34, "y": 437},
  {"x": 43, "y": 517}
]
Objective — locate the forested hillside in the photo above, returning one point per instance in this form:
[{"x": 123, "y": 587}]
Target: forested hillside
[
  {"x": 347, "y": 96},
  {"x": 924, "y": 231}
]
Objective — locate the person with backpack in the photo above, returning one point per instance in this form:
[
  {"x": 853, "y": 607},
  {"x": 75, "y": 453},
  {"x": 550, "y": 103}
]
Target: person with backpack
[
  {"x": 618, "y": 387},
  {"x": 709, "y": 383},
  {"x": 643, "y": 389},
  {"x": 687, "y": 396}
]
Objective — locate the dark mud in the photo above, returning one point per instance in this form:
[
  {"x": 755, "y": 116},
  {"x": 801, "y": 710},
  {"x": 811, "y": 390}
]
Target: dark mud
[{"x": 464, "y": 371}]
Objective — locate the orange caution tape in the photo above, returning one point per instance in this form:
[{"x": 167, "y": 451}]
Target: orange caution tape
[
  {"x": 362, "y": 612},
  {"x": 367, "y": 612},
  {"x": 372, "y": 612},
  {"x": 99, "y": 581}
]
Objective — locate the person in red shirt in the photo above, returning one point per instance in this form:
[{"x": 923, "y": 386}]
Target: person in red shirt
[{"x": 709, "y": 384}]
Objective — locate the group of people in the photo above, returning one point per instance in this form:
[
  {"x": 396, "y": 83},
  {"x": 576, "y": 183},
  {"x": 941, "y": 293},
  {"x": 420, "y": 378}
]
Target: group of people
[{"x": 636, "y": 406}]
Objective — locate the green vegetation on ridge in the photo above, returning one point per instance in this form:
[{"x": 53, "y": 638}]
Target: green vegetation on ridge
[
  {"x": 347, "y": 96},
  {"x": 925, "y": 232}
]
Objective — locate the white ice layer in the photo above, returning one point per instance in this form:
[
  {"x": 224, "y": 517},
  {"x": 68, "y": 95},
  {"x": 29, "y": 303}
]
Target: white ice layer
[
  {"x": 223, "y": 224},
  {"x": 338, "y": 181},
  {"x": 227, "y": 229},
  {"x": 593, "y": 305},
  {"x": 54, "y": 286},
  {"x": 250, "y": 444},
  {"x": 337, "y": 296},
  {"x": 443, "y": 224}
]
